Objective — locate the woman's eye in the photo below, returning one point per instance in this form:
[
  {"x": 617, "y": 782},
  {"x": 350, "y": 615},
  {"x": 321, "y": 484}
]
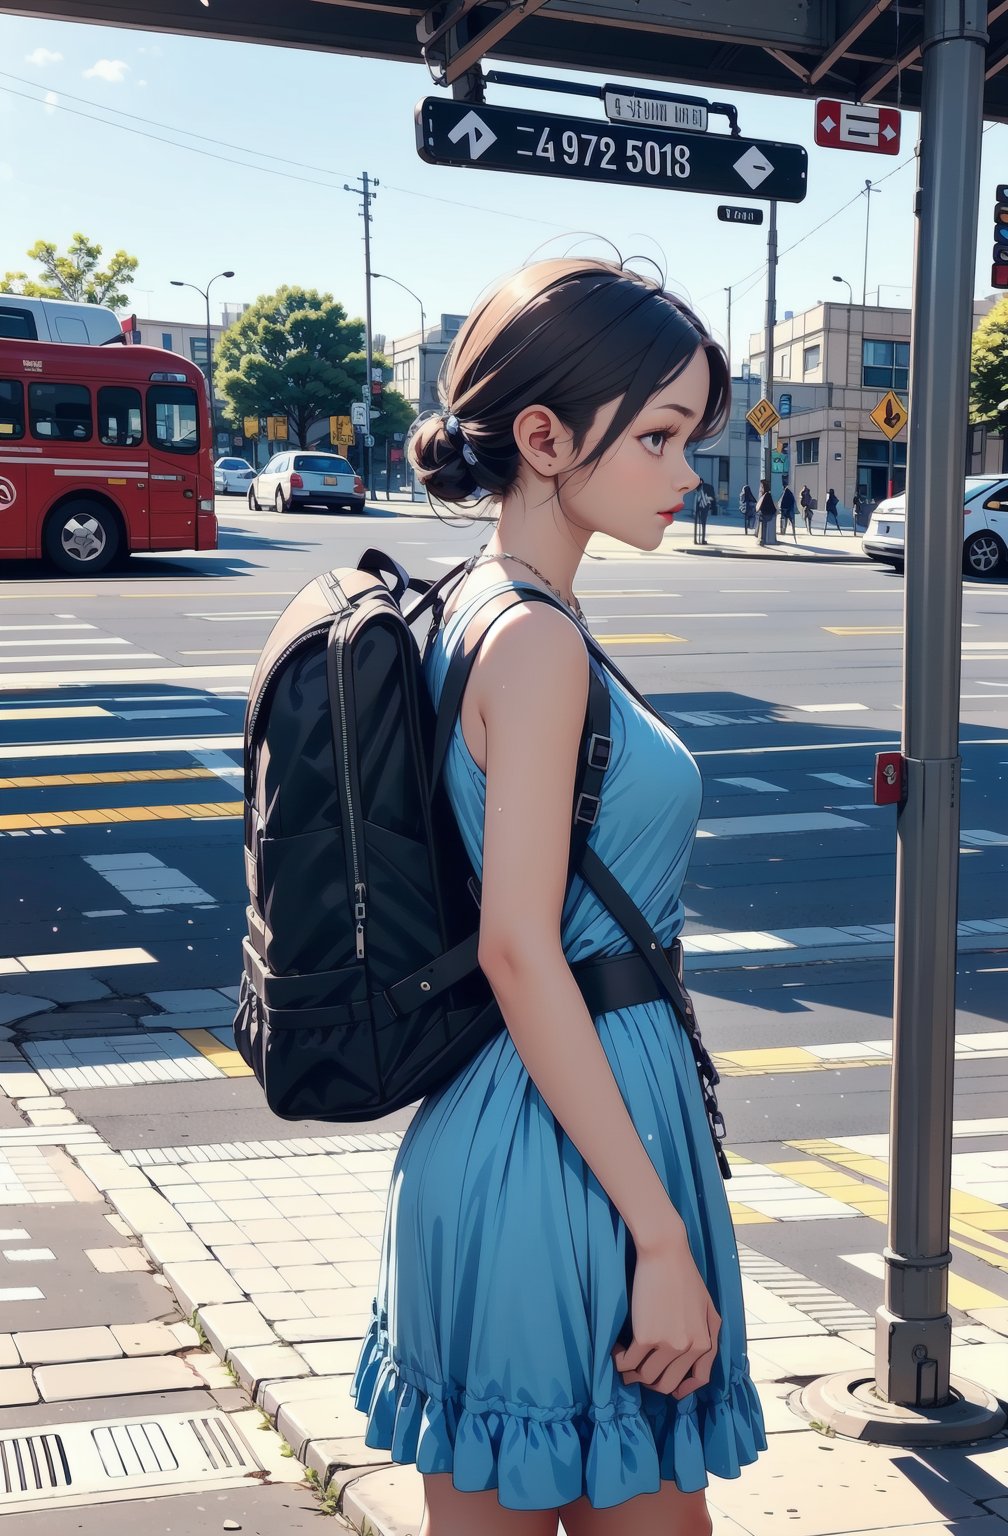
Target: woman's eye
[{"x": 654, "y": 442}]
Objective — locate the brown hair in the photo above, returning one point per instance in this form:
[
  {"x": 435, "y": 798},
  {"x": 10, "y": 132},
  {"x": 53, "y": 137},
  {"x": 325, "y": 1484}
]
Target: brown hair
[{"x": 572, "y": 335}]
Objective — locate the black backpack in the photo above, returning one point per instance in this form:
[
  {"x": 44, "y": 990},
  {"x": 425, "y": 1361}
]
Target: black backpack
[{"x": 361, "y": 992}]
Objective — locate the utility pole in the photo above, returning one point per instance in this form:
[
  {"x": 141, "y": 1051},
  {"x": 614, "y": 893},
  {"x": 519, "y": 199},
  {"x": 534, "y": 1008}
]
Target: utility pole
[
  {"x": 868, "y": 190},
  {"x": 728, "y": 292},
  {"x": 365, "y": 191},
  {"x": 771, "y": 316}
]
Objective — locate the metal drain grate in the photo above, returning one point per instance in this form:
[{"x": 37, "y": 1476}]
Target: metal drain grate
[{"x": 55, "y": 1465}]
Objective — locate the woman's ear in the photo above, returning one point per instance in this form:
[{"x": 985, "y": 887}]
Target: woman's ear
[{"x": 545, "y": 444}]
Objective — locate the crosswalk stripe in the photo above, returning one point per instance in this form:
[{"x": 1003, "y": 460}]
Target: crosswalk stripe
[
  {"x": 124, "y": 776},
  {"x": 43, "y": 819},
  {"x": 146, "y": 746},
  {"x": 224, "y": 1059}
]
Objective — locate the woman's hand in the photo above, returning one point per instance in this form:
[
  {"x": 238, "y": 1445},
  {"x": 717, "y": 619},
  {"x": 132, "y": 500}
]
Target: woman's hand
[{"x": 674, "y": 1325}]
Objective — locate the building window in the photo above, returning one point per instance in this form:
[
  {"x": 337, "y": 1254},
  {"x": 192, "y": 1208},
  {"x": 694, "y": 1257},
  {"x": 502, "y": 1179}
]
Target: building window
[
  {"x": 885, "y": 365},
  {"x": 807, "y": 450},
  {"x": 784, "y": 364},
  {"x": 198, "y": 350},
  {"x": 811, "y": 358},
  {"x": 60, "y": 411},
  {"x": 880, "y": 464},
  {"x": 166, "y": 340}
]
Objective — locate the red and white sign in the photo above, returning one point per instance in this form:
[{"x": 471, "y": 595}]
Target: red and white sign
[{"x": 843, "y": 125}]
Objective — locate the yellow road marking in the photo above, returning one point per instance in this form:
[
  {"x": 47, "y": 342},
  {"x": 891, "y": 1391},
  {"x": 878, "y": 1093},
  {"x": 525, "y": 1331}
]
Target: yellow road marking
[
  {"x": 124, "y": 776},
  {"x": 863, "y": 629},
  {"x": 641, "y": 639},
  {"x": 64, "y": 712},
  {"x": 791, "y": 1059},
  {"x": 771, "y": 1059},
  {"x": 221, "y": 1056},
  {"x": 42, "y": 819}
]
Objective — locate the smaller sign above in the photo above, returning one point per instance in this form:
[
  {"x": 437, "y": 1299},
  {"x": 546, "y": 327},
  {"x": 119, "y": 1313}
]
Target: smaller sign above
[
  {"x": 842, "y": 125},
  {"x": 763, "y": 417},
  {"x": 728, "y": 213},
  {"x": 653, "y": 111},
  {"x": 890, "y": 415},
  {"x": 358, "y": 413},
  {"x": 778, "y": 463}
]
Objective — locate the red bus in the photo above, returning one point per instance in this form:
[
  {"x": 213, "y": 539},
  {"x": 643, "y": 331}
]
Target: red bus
[{"x": 103, "y": 450}]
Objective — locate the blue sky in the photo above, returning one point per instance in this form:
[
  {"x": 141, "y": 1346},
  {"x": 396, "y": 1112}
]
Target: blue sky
[{"x": 446, "y": 233}]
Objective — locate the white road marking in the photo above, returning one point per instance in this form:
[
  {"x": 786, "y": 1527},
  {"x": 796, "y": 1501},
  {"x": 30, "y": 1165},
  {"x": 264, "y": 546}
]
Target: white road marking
[
  {"x": 872, "y": 1263},
  {"x": 39, "y": 679},
  {"x": 253, "y": 650},
  {"x": 722, "y": 949},
  {"x": 757, "y": 826},
  {"x": 47, "y": 628},
  {"x": 167, "y": 674},
  {"x": 73, "y": 960},
  {"x": 827, "y": 709},
  {"x": 843, "y": 780},
  {"x": 29, "y": 1255},
  {"x": 229, "y": 618},
  {"x": 759, "y": 786},
  {"x": 671, "y": 614},
  {"x": 144, "y": 881},
  {"x": 149, "y": 746},
  {"x": 21, "y": 1293},
  {"x": 114, "y": 1061},
  {"x": 982, "y": 839},
  {"x": 62, "y": 640},
  {"x": 65, "y": 712},
  {"x": 219, "y": 763},
  {"x": 164, "y": 714}
]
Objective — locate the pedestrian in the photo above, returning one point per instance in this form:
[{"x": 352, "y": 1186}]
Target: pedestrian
[
  {"x": 702, "y": 503},
  {"x": 832, "y": 511},
  {"x": 807, "y": 503},
  {"x": 766, "y": 509},
  {"x": 855, "y": 508},
  {"x": 544, "y": 1337},
  {"x": 788, "y": 507},
  {"x": 747, "y": 506}
]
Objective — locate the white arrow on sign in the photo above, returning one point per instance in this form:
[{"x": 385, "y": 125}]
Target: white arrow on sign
[
  {"x": 753, "y": 167},
  {"x": 476, "y": 131}
]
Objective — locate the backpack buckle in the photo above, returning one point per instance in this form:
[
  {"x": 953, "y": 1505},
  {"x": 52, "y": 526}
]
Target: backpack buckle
[
  {"x": 587, "y": 809},
  {"x": 473, "y": 887},
  {"x": 599, "y": 752}
]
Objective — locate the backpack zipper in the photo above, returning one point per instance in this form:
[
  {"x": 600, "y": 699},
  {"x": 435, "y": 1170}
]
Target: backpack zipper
[
  {"x": 360, "y": 889},
  {"x": 308, "y": 634}
]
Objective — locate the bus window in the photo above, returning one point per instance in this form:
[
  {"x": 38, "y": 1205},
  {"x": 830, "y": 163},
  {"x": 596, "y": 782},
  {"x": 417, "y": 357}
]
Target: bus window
[
  {"x": 173, "y": 418},
  {"x": 11, "y": 408},
  {"x": 60, "y": 410},
  {"x": 120, "y": 421}
]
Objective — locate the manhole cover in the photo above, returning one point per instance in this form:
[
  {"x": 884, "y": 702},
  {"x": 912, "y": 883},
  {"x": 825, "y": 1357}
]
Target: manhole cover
[{"x": 64, "y": 1464}]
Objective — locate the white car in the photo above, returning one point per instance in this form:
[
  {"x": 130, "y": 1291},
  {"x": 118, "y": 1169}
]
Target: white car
[
  {"x": 300, "y": 478},
  {"x": 985, "y": 527},
  {"x": 232, "y": 476}
]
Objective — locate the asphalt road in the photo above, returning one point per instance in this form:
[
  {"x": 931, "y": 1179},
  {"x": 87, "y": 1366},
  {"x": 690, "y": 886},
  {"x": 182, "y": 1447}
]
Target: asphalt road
[{"x": 782, "y": 678}]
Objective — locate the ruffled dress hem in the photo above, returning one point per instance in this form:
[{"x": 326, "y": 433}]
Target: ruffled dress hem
[{"x": 544, "y": 1458}]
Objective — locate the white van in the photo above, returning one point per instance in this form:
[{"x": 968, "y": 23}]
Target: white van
[
  {"x": 985, "y": 528},
  {"x": 23, "y": 319}
]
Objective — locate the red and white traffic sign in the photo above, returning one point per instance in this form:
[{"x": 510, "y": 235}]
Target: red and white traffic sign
[{"x": 843, "y": 125}]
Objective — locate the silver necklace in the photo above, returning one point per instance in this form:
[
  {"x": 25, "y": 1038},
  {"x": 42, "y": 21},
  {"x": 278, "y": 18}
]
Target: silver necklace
[{"x": 575, "y": 606}]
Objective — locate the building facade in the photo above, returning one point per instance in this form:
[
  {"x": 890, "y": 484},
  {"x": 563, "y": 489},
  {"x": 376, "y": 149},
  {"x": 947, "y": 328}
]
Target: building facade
[{"x": 416, "y": 362}]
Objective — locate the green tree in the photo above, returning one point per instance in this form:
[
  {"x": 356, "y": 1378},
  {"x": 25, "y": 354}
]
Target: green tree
[
  {"x": 989, "y": 365},
  {"x": 75, "y": 274},
  {"x": 293, "y": 353}
]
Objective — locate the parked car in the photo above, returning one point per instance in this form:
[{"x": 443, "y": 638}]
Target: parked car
[
  {"x": 232, "y": 475},
  {"x": 302, "y": 479},
  {"x": 985, "y": 527}
]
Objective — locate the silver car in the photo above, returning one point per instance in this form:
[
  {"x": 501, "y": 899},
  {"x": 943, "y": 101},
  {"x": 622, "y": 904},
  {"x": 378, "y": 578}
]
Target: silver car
[
  {"x": 299, "y": 478},
  {"x": 232, "y": 476}
]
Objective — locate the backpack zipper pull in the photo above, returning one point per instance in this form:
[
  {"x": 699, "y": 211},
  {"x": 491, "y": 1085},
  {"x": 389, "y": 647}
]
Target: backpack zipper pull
[{"x": 360, "y": 913}]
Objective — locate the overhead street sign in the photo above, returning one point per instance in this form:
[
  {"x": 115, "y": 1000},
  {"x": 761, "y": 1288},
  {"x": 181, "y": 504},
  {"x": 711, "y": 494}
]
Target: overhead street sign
[
  {"x": 450, "y": 132},
  {"x": 730, "y": 214},
  {"x": 890, "y": 415},
  {"x": 842, "y": 125},
  {"x": 651, "y": 110},
  {"x": 762, "y": 418}
]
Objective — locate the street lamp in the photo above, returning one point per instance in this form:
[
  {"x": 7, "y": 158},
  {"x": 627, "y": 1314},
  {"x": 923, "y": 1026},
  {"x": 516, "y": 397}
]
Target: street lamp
[
  {"x": 850, "y": 291},
  {"x": 386, "y": 279},
  {"x": 176, "y": 283},
  {"x": 868, "y": 190}
]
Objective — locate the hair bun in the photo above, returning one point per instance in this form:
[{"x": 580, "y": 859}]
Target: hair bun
[{"x": 440, "y": 466}]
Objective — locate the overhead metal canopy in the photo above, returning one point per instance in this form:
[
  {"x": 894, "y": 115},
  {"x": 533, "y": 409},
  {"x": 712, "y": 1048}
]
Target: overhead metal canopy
[{"x": 853, "y": 49}]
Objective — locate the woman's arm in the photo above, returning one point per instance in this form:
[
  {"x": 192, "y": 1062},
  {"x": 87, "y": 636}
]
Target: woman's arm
[{"x": 531, "y": 683}]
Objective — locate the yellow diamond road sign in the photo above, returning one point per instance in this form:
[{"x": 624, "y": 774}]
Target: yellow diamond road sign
[
  {"x": 890, "y": 415},
  {"x": 763, "y": 417}
]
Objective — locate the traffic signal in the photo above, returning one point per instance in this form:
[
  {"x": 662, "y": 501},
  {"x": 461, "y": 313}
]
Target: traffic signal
[
  {"x": 377, "y": 386},
  {"x": 999, "y": 271}
]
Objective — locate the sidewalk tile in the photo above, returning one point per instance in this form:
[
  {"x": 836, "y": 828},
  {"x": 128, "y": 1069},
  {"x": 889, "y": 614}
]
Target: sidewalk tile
[
  {"x": 333, "y": 1418},
  {"x": 174, "y": 1248},
  {"x": 240, "y": 1256},
  {"x": 352, "y": 1325},
  {"x": 113, "y": 1378},
  {"x": 309, "y": 1277},
  {"x": 197, "y": 1285},
  {"x": 326, "y": 1303},
  {"x": 256, "y": 1364},
  {"x": 986, "y": 1364},
  {"x": 262, "y": 1278},
  {"x": 17, "y": 1388},
  {"x": 145, "y": 1338},
  {"x": 274, "y": 1229},
  {"x": 58, "y": 1346},
  {"x": 286, "y": 1255},
  {"x": 146, "y": 1211},
  {"x": 185, "y": 1334},
  {"x": 389, "y": 1499},
  {"x": 218, "y": 1234},
  {"x": 212, "y": 1372},
  {"x": 821, "y": 1487},
  {"x": 280, "y": 1304},
  {"x": 305, "y": 1205},
  {"x": 8, "y": 1351},
  {"x": 344, "y": 1250},
  {"x": 117, "y": 1261},
  {"x": 813, "y": 1356},
  {"x": 231, "y": 1324},
  {"x": 333, "y": 1357},
  {"x": 273, "y": 1394},
  {"x": 324, "y": 1227}
]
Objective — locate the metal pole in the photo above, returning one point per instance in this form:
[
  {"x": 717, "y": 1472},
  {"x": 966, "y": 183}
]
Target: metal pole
[
  {"x": 867, "y": 217},
  {"x": 913, "y": 1327},
  {"x": 367, "y": 301},
  {"x": 771, "y": 316},
  {"x": 728, "y": 292}
]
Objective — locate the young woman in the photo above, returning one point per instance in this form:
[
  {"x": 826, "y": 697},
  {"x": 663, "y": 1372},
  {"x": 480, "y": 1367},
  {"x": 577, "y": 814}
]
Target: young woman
[{"x": 559, "y": 1328}]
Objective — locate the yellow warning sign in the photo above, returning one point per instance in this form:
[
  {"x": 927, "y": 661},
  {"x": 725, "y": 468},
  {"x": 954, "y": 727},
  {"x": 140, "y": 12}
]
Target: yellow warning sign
[
  {"x": 763, "y": 417},
  {"x": 890, "y": 415}
]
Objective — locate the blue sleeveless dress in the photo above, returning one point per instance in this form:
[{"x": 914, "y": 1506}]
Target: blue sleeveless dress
[{"x": 502, "y": 1282}]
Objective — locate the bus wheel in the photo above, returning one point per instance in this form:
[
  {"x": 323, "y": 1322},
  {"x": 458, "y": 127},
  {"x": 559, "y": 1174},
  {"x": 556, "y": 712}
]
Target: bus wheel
[{"x": 82, "y": 538}]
